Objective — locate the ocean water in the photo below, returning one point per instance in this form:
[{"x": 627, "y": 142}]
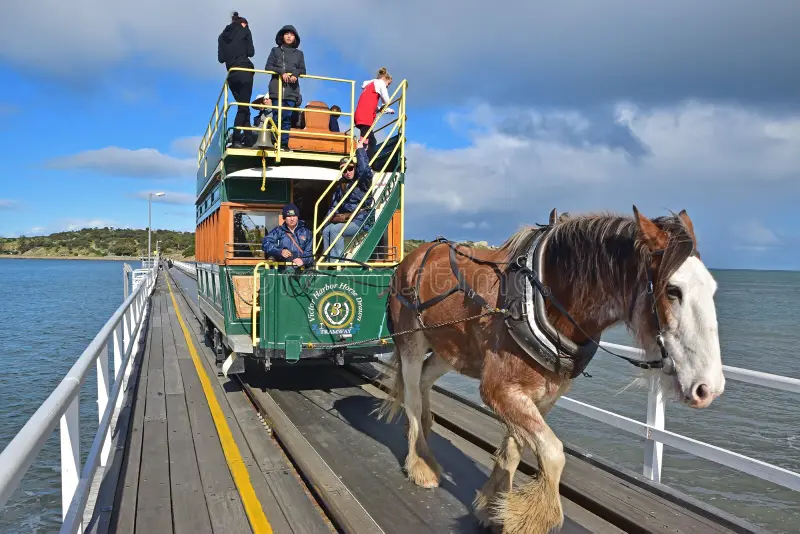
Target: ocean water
[{"x": 51, "y": 310}]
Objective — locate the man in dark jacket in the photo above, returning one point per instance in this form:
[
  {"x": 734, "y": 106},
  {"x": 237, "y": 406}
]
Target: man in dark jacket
[
  {"x": 291, "y": 241},
  {"x": 288, "y": 62},
  {"x": 363, "y": 176},
  {"x": 235, "y": 48}
]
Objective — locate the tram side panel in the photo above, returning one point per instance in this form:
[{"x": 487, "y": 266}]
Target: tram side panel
[{"x": 340, "y": 315}]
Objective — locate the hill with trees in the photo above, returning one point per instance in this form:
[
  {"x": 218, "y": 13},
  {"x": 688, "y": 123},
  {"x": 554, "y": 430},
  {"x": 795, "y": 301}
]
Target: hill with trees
[
  {"x": 116, "y": 242},
  {"x": 99, "y": 243}
]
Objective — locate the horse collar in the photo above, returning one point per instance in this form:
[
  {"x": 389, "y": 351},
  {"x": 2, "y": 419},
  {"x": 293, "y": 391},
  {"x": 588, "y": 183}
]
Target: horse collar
[{"x": 531, "y": 328}]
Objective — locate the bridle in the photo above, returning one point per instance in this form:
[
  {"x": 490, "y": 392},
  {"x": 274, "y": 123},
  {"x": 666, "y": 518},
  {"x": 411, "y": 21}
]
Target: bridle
[{"x": 667, "y": 364}]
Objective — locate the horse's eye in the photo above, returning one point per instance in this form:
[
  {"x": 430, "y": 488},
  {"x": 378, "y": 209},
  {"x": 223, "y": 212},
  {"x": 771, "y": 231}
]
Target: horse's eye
[{"x": 674, "y": 293}]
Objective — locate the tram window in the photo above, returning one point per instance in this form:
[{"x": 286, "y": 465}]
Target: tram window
[{"x": 249, "y": 229}]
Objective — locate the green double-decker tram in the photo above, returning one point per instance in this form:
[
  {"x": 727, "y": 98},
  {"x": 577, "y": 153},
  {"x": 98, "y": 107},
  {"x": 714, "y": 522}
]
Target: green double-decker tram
[{"x": 256, "y": 307}]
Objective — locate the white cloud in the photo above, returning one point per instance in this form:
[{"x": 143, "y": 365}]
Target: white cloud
[
  {"x": 554, "y": 51},
  {"x": 472, "y": 225},
  {"x": 8, "y": 204},
  {"x": 187, "y": 146},
  {"x": 687, "y": 147},
  {"x": 170, "y": 197},
  {"x": 755, "y": 234},
  {"x": 70, "y": 224},
  {"x": 724, "y": 164},
  {"x": 139, "y": 163}
]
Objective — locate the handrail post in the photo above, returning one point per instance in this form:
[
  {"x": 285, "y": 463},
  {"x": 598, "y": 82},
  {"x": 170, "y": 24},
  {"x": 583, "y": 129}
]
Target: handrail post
[
  {"x": 70, "y": 453},
  {"x": 118, "y": 353},
  {"x": 280, "y": 119},
  {"x": 126, "y": 334},
  {"x": 102, "y": 399},
  {"x": 653, "y": 449}
]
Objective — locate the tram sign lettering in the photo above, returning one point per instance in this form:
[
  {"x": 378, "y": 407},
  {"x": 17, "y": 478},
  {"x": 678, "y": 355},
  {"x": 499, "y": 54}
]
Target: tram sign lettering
[{"x": 335, "y": 309}]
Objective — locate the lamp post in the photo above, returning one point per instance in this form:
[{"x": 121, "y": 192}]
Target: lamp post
[{"x": 149, "y": 223}]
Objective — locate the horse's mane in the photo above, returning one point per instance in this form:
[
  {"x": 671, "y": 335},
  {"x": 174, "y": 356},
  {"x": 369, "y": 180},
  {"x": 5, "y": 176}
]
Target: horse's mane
[{"x": 598, "y": 247}]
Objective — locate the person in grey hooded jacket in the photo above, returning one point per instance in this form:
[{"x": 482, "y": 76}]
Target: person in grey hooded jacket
[{"x": 288, "y": 62}]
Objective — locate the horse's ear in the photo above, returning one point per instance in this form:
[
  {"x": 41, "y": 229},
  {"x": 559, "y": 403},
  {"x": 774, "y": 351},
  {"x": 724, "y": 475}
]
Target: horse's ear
[
  {"x": 553, "y": 217},
  {"x": 689, "y": 226},
  {"x": 654, "y": 237}
]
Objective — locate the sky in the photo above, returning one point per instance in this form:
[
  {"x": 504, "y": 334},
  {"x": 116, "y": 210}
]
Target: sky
[{"x": 579, "y": 105}]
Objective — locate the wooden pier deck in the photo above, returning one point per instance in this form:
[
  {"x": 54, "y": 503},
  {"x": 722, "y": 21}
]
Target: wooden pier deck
[{"x": 298, "y": 450}]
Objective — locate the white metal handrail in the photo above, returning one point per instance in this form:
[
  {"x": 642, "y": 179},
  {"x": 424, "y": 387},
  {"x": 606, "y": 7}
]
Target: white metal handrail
[
  {"x": 185, "y": 267},
  {"x": 122, "y": 330},
  {"x": 656, "y": 436}
]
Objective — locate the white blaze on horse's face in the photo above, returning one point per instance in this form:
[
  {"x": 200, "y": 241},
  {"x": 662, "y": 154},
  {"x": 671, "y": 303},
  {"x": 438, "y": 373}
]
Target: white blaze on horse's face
[{"x": 692, "y": 336}]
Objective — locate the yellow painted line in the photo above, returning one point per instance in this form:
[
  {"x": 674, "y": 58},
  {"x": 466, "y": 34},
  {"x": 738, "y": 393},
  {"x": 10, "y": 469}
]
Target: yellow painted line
[{"x": 252, "y": 506}]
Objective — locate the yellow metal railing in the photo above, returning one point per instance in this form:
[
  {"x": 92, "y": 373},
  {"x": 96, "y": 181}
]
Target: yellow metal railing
[
  {"x": 220, "y": 114},
  {"x": 400, "y": 123}
]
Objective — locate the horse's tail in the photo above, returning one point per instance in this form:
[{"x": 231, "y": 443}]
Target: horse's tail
[
  {"x": 393, "y": 373},
  {"x": 392, "y": 404}
]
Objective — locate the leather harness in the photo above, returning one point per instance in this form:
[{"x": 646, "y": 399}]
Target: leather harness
[{"x": 523, "y": 297}]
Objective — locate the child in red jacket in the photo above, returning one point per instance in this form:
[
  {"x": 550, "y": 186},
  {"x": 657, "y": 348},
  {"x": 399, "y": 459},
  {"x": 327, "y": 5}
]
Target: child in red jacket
[{"x": 374, "y": 96}]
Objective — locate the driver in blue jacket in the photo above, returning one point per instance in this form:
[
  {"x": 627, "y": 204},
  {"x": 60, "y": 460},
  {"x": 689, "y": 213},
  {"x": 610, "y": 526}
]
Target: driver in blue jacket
[{"x": 291, "y": 241}]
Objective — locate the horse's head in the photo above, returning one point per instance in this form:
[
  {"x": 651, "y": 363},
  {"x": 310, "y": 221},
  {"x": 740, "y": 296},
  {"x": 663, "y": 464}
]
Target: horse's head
[{"x": 684, "y": 299}]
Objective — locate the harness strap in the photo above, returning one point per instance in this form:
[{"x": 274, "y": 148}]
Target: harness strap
[
  {"x": 461, "y": 283},
  {"x": 299, "y": 248}
]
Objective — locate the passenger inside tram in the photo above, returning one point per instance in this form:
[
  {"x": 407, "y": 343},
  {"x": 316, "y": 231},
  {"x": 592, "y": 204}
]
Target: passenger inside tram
[{"x": 290, "y": 241}]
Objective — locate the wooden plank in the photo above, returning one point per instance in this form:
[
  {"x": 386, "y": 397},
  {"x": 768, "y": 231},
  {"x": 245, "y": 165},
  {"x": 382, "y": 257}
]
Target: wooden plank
[
  {"x": 154, "y": 505},
  {"x": 189, "y": 508},
  {"x": 156, "y": 409},
  {"x": 373, "y": 470},
  {"x": 123, "y": 518},
  {"x": 622, "y": 503},
  {"x": 224, "y": 503},
  {"x": 173, "y": 382},
  {"x": 576, "y": 518},
  {"x": 286, "y": 503},
  {"x": 227, "y": 513}
]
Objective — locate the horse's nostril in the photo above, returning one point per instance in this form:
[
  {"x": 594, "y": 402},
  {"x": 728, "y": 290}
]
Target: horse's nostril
[{"x": 702, "y": 392}]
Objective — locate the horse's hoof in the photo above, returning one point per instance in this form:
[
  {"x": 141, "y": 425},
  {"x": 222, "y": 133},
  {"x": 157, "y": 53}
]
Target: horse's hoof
[
  {"x": 532, "y": 509},
  {"x": 481, "y": 509},
  {"x": 422, "y": 474}
]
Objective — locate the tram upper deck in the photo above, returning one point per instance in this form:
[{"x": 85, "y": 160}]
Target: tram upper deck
[{"x": 240, "y": 190}]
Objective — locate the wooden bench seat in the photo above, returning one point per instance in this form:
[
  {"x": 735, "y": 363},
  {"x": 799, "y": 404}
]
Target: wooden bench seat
[{"x": 319, "y": 123}]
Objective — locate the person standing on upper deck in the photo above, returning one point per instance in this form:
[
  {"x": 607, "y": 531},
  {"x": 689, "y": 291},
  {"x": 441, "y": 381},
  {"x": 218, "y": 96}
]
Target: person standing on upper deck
[
  {"x": 288, "y": 61},
  {"x": 235, "y": 48},
  {"x": 363, "y": 175},
  {"x": 373, "y": 93}
]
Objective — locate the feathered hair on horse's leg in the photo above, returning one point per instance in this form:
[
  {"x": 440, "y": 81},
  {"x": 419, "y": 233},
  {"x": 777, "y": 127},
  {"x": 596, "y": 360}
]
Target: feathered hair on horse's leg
[{"x": 392, "y": 404}]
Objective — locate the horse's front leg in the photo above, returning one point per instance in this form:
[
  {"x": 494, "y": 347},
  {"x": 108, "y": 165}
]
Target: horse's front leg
[{"x": 535, "y": 507}]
